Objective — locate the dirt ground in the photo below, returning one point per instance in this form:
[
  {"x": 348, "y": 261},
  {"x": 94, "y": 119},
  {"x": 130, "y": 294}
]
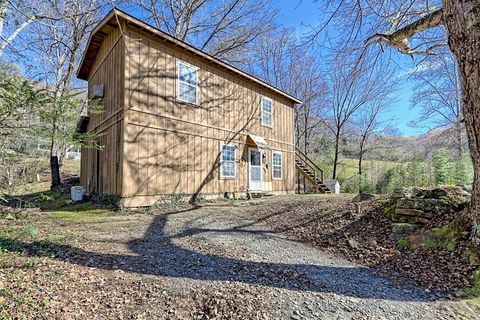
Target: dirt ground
[{"x": 213, "y": 261}]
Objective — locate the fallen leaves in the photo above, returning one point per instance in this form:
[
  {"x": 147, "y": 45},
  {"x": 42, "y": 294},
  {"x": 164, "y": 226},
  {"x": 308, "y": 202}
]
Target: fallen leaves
[{"x": 334, "y": 226}]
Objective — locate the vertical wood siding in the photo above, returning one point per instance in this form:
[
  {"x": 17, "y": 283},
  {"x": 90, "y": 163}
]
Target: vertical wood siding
[
  {"x": 107, "y": 124},
  {"x": 174, "y": 147}
]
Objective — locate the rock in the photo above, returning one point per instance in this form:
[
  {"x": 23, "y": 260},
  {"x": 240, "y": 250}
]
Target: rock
[
  {"x": 409, "y": 218},
  {"x": 404, "y": 228},
  {"x": 425, "y": 205},
  {"x": 435, "y": 193},
  {"x": 463, "y": 192},
  {"x": 353, "y": 243},
  {"x": 399, "y": 193},
  {"x": 408, "y": 212}
]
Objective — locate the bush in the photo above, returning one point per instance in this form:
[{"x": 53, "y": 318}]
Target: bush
[{"x": 442, "y": 166}]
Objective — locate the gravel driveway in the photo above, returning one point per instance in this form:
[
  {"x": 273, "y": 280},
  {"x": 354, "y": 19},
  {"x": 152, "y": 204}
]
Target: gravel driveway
[{"x": 218, "y": 247}]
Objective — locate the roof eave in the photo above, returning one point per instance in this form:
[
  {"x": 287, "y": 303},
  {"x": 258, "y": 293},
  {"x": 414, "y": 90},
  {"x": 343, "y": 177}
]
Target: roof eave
[{"x": 131, "y": 19}]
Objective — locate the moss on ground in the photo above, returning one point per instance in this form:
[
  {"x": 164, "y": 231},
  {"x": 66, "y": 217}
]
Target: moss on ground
[
  {"x": 389, "y": 211},
  {"x": 80, "y": 216},
  {"x": 474, "y": 290}
]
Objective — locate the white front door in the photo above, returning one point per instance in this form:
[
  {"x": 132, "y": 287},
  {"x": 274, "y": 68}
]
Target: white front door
[{"x": 255, "y": 170}]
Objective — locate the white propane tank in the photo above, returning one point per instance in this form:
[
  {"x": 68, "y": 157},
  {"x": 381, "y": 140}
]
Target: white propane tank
[{"x": 76, "y": 193}]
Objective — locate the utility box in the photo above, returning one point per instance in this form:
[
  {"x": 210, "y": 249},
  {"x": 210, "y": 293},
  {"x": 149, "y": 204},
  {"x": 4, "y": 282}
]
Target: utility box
[
  {"x": 77, "y": 193},
  {"x": 332, "y": 185},
  {"x": 97, "y": 91}
]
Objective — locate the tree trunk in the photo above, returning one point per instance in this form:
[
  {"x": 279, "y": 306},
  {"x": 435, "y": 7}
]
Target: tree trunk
[
  {"x": 462, "y": 18},
  {"x": 335, "y": 159},
  {"x": 55, "y": 169},
  {"x": 54, "y": 165},
  {"x": 360, "y": 171}
]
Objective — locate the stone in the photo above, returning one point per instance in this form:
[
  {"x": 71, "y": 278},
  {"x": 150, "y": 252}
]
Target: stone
[
  {"x": 434, "y": 193},
  {"x": 409, "y": 218},
  {"x": 353, "y": 243},
  {"x": 405, "y": 228},
  {"x": 429, "y": 207},
  {"x": 408, "y": 212},
  {"x": 399, "y": 193}
]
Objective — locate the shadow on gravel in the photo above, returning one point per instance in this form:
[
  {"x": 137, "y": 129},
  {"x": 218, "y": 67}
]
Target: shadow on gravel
[{"x": 156, "y": 254}]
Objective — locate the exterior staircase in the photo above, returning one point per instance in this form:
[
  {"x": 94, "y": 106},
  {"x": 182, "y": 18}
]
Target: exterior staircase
[{"x": 312, "y": 173}]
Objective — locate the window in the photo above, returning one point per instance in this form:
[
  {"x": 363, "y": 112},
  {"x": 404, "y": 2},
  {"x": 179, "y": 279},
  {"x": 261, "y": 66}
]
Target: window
[
  {"x": 227, "y": 168},
  {"x": 187, "y": 83},
  {"x": 266, "y": 112},
  {"x": 277, "y": 165}
]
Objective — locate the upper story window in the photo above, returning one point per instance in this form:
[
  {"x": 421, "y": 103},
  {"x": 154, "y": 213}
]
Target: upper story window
[
  {"x": 267, "y": 112},
  {"x": 187, "y": 83},
  {"x": 277, "y": 165},
  {"x": 228, "y": 165}
]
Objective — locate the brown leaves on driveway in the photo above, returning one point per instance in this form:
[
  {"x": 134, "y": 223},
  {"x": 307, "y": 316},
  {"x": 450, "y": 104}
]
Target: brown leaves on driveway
[{"x": 331, "y": 223}]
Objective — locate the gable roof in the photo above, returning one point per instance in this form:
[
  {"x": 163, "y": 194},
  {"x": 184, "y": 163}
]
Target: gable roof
[{"x": 111, "y": 20}]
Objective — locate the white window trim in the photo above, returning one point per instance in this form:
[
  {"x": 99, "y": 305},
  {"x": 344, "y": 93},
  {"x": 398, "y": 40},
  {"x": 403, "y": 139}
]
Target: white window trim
[
  {"x": 261, "y": 112},
  {"x": 234, "y": 161},
  {"x": 281, "y": 165},
  {"x": 178, "y": 82}
]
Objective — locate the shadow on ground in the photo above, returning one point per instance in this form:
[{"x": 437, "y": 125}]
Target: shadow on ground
[{"x": 157, "y": 254}]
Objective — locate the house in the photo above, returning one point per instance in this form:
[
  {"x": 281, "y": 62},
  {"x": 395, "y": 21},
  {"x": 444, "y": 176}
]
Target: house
[{"x": 175, "y": 120}]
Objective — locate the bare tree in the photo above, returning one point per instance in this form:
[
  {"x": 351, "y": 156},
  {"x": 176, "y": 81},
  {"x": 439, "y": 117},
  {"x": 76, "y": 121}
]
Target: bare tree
[
  {"x": 355, "y": 81},
  {"x": 57, "y": 44},
  {"x": 436, "y": 23},
  {"x": 370, "y": 130},
  {"x": 223, "y": 28},
  {"x": 438, "y": 95},
  {"x": 277, "y": 58},
  {"x": 15, "y": 16}
]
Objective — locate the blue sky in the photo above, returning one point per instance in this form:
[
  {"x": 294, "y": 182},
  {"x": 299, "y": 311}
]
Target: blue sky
[{"x": 300, "y": 14}]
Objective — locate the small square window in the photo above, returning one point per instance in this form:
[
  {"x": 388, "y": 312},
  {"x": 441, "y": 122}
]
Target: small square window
[{"x": 187, "y": 83}]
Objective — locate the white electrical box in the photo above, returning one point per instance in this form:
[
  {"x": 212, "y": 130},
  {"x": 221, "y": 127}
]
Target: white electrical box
[
  {"x": 76, "y": 193},
  {"x": 97, "y": 91}
]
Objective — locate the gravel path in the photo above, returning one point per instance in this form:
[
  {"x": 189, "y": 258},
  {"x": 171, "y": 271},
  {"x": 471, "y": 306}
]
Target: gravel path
[{"x": 219, "y": 247}]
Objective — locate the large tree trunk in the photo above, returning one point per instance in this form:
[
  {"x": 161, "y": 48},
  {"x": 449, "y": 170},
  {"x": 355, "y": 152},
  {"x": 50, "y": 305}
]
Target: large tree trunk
[
  {"x": 462, "y": 18},
  {"x": 459, "y": 142}
]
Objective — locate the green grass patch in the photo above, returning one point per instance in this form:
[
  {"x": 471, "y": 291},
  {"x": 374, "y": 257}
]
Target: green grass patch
[
  {"x": 29, "y": 188},
  {"x": 405, "y": 243},
  {"x": 37, "y": 247},
  {"x": 80, "y": 213},
  {"x": 71, "y": 167},
  {"x": 474, "y": 290}
]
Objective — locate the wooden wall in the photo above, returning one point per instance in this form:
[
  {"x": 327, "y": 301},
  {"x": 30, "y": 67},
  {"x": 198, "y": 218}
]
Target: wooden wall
[
  {"x": 104, "y": 167},
  {"x": 172, "y": 146}
]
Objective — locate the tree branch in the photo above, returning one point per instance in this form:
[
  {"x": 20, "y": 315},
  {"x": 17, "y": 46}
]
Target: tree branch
[{"x": 399, "y": 38}]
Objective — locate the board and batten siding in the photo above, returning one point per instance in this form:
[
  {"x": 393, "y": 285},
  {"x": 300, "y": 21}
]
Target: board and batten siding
[
  {"x": 103, "y": 167},
  {"x": 174, "y": 147}
]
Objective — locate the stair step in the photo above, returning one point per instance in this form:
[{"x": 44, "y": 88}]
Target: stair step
[{"x": 304, "y": 169}]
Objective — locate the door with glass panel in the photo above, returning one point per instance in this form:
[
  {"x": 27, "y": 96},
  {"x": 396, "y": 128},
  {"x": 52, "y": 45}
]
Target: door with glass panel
[{"x": 255, "y": 170}]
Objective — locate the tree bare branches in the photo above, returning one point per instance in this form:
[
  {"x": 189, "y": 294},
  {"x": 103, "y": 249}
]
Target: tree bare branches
[{"x": 225, "y": 29}]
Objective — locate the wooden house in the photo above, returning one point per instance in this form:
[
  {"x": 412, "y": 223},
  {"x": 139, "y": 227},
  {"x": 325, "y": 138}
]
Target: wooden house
[{"x": 175, "y": 120}]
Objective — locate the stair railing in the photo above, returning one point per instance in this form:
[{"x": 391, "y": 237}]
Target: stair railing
[{"x": 309, "y": 163}]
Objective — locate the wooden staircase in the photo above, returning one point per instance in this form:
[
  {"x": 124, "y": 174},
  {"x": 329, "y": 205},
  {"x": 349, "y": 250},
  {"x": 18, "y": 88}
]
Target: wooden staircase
[{"x": 307, "y": 168}]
